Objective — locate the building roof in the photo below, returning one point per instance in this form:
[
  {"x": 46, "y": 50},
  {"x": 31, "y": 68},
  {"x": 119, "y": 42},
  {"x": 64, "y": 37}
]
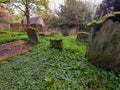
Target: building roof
[{"x": 35, "y": 20}]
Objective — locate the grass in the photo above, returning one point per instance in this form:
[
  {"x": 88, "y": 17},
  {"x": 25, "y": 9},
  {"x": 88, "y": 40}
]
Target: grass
[
  {"x": 8, "y": 35},
  {"x": 44, "y": 68}
]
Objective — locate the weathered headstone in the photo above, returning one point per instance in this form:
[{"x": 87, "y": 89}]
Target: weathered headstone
[
  {"x": 64, "y": 30},
  {"x": 104, "y": 45},
  {"x": 82, "y": 36},
  {"x": 32, "y": 35},
  {"x": 56, "y": 43}
]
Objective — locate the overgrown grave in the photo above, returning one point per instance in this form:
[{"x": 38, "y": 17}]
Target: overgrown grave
[{"x": 14, "y": 48}]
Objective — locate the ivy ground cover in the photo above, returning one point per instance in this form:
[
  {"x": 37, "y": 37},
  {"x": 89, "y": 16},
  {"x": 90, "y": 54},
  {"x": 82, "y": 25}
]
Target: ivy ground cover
[{"x": 44, "y": 68}]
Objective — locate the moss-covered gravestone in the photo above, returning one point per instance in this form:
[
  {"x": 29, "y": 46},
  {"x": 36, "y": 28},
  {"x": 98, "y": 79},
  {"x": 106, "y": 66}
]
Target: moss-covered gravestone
[
  {"x": 104, "y": 45},
  {"x": 64, "y": 30},
  {"x": 56, "y": 43},
  {"x": 32, "y": 35}
]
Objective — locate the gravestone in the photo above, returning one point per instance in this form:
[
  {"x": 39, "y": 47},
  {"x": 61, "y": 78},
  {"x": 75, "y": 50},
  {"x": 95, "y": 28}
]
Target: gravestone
[
  {"x": 82, "y": 36},
  {"x": 104, "y": 45},
  {"x": 32, "y": 35},
  {"x": 56, "y": 43},
  {"x": 64, "y": 30}
]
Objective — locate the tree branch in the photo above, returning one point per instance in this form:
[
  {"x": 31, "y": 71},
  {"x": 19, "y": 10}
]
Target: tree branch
[{"x": 19, "y": 8}]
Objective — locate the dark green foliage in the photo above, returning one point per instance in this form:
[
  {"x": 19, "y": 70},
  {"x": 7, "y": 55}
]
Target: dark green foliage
[{"x": 44, "y": 68}]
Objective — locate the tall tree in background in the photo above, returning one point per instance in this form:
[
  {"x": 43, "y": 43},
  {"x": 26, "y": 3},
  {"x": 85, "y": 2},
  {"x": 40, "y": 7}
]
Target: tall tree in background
[{"x": 73, "y": 13}]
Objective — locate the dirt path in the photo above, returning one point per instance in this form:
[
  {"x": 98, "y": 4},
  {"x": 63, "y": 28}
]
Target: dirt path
[{"x": 8, "y": 50}]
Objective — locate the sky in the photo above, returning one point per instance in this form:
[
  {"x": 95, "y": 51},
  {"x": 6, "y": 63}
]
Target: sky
[{"x": 54, "y": 4}]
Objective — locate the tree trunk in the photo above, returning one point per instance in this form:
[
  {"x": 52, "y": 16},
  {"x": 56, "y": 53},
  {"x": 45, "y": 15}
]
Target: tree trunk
[
  {"x": 28, "y": 17},
  {"x": 32, "y": 33}
]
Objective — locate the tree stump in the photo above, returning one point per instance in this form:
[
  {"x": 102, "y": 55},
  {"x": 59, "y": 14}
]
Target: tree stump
[
  {"x": 104, "y": 45},
  {"x": 32, "y": 35},
  {"x": 82, "y": 36},
  {"x": 57, "y": 44}
]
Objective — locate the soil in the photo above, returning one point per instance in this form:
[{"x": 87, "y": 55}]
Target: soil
[{"x": 13, "y": 48}]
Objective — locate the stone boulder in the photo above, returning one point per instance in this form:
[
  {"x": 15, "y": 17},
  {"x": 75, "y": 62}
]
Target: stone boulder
[{"x": 104, "y": 45}]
